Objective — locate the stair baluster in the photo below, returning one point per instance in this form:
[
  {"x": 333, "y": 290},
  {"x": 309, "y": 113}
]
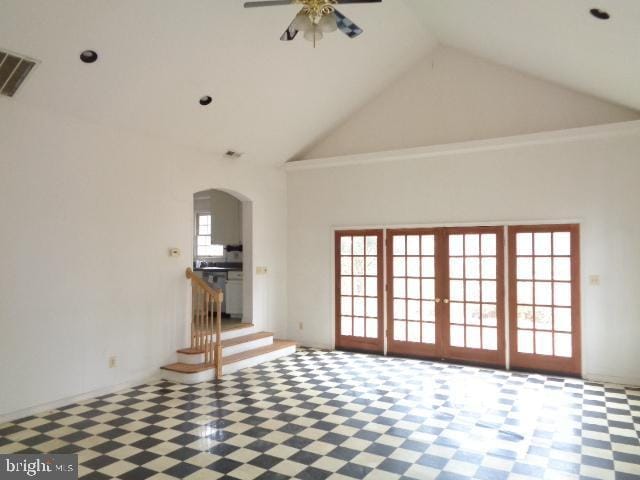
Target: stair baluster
[{"x": 206, "y": 301}]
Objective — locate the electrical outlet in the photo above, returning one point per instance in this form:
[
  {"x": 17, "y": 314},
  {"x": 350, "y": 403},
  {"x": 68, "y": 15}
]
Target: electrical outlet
[
  {"x": 594, "y": 280},
  {"x": 261, "y": 270},
  {"x": 301, "y": 326},
  {"x": 112, "y": 362}
]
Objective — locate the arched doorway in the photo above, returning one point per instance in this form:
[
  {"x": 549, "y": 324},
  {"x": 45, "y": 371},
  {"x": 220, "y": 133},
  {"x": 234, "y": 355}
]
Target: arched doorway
[{"x": 222, "y": 250}]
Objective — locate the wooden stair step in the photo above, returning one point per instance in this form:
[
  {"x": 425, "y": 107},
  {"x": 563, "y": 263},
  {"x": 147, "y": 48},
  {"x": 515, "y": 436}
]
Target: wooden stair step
[
  {"x": 188, "y": 367},
  {"x": 238, "y": 326},
  {"x": 229, "y": 328},
  {"x": 228, "y": 343},
  {"x": 246, "y": 338},
  {"x": 191, "y": 351},
  {"x": 238, "y": 357}
]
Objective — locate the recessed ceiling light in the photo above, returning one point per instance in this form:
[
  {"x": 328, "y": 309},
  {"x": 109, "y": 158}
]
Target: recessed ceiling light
[
  {"x": 89, "y": 56},
  {"x": 599, "y": 14},
  {"x": 206, "y": 100}
]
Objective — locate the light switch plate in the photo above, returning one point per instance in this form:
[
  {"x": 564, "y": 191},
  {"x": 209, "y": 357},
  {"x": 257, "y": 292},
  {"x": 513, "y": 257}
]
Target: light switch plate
[
  {"x": 174, "y": 252},
  {"x": 261, "y": 270},
  {"x": 594, "y": 280}
]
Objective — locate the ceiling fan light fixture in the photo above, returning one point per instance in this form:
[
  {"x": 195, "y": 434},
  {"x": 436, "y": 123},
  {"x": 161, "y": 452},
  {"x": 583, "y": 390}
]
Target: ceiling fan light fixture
[
  {"x": 313, "y": 35},
  {"x": 302, "y": 23},
  {"x": 328, "y": 23},
  {"x": 316, "y": 18}
]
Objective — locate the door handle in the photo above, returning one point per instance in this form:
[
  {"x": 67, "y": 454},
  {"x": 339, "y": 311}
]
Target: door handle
[
  {"x": 446, "y": 300},
  {"x": 437, "y": 300}
]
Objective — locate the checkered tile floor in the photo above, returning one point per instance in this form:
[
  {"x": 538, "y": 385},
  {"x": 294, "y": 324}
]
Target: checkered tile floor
[{"x": 317, "y": 415}]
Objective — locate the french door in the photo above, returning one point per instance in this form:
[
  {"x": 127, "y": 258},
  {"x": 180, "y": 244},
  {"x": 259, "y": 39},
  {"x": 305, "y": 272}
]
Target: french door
[
  {"x": 474, "y": 302},
  {"x": 445, "y": 293},
  {"x": 414, "y": 306},
  {"x": 359, "y": 290},
  {"x": 544, "y": 298}
]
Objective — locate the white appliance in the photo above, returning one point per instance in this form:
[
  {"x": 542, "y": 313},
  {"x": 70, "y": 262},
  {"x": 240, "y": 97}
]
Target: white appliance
[{"x": 233, "y": 294}]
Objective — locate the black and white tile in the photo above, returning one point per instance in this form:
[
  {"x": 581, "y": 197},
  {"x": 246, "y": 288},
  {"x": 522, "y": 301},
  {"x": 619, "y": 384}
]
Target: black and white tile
[{"x": 318, "y": 415}]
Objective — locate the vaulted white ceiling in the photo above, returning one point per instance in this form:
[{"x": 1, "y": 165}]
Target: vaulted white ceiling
[
  {"x": 158, "y": 57},
  {"x": 273, "y": 98},
  {"x": 557, "y": 40}
]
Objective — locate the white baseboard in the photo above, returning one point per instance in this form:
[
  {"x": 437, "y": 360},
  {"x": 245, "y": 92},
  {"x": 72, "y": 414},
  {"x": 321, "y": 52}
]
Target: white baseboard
[
  {"x": 318, "y": 346},
  {"x": 622, "y": 381},
  {"x": 45, "y": 407},
  {"x": 263, "y": 358},
  {"x": 189, "y": 378}
]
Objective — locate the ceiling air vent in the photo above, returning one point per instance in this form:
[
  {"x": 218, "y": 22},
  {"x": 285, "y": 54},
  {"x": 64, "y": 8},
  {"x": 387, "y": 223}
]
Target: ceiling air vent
[
  {"x": 13, "y": 71},
  {"x": 232, "y": 154}
]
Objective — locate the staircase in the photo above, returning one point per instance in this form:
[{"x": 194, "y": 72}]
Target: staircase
[{"x": 215, "y": 352}]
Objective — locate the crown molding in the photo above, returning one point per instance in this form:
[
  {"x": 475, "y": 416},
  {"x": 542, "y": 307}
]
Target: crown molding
[{"x": 503, "y": 143}]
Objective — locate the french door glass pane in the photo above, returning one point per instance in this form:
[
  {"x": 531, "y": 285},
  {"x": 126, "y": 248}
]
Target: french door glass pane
[
  {"x": 372, "y": 328},
  {"x": 413, "y": 279},
  {"x": 473, "y": 291},
  {"x": 543, "y": 293},
  {"x": 358, "y": 281},
  {"x": 346, "y": 325},
  {"x": 345, "y": 246},
  {"x": 562, "y": 243}
]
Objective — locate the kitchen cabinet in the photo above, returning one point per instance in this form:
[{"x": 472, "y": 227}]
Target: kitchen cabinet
[{"x": 233, "y": 297}]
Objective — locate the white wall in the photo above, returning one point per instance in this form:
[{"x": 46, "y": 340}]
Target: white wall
[
  {"x": 87, "y": 216},
  {"x": 451, "y": 96},
  {"x": 594, "y": 181},
  {"x": 227, "y": 218},
  {"x": 226, "y": 211}
]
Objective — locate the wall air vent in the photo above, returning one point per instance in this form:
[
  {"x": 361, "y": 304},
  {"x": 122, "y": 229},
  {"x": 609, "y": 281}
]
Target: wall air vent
[{"x": 13, "y": 71}]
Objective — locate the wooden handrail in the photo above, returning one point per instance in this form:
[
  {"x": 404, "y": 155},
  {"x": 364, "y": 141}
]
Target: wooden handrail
[
  {"x": 214, "y": 292},
  {"x": 204, "y": 300}
]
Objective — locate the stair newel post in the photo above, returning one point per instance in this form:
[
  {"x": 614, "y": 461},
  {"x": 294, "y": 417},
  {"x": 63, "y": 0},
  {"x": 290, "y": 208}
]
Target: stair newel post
[
  {"x": 212, "y": 307},
  {"x": 212, "y": 312},
  {"x": 203, "y": 330},
  {"x": 193, "y": 315},
  {"x": 196, "y": 310},
  {"x": 201, "y": 319},
  {"x": 219, "y": 300},
  {"x": 197, "y": 330},
  {"x": 205, "y": 319}
]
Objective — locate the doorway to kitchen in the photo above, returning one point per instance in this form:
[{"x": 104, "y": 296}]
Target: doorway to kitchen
[{"x": 222, "y": 250}]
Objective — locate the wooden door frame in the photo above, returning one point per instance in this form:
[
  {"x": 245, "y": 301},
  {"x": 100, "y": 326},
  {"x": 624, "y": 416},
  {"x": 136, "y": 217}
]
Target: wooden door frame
[
  {"x": 420, "y": 350},
  {"x": 531, "y": 361},
  {"x": 361, "y": 344},
  {"x": 493, "y": 358}
]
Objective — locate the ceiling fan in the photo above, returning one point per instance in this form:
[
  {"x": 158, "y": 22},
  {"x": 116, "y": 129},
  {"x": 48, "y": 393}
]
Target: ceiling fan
[{"x": 316, "y": 18}]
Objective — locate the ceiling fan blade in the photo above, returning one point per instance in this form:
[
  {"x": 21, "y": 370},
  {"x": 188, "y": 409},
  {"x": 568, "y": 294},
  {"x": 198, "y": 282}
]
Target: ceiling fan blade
[
  {"x": 347, "y": 27},
  {"x": 267, "y": 3},
  {"x": 358, "y": 1},
  {"x": 291, "y": 32}
]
